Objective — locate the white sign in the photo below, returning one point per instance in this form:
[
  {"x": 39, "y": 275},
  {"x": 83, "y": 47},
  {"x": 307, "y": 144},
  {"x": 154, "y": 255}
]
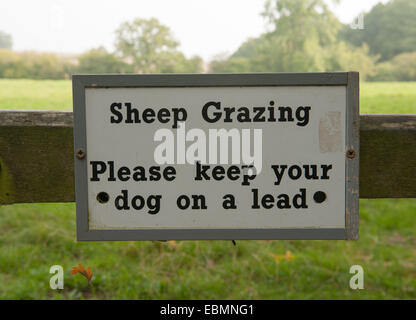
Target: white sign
[{"x": 173, "y": 161}]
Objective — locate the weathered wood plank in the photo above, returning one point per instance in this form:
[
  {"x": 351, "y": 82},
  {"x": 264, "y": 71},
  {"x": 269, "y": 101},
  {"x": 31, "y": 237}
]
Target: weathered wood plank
[
  {"x": 388, "y": 156},
  {"x": 36, "y": 156}
]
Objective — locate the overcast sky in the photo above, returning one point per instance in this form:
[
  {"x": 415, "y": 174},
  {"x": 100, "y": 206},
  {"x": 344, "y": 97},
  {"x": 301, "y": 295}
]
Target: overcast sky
[{"x": 205, "y": 28}]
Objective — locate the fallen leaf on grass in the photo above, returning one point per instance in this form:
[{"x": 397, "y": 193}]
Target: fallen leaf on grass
[
  {"x": 87, "y": 273},
  {"x": 172, "y": 244},
  {"x": 288, "y": 256}
]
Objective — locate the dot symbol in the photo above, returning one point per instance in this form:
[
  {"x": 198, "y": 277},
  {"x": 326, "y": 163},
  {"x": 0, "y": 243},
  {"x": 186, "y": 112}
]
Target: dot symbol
[
  {"x": 103, "y": 197},
  {"x": 319, "y": 196}
]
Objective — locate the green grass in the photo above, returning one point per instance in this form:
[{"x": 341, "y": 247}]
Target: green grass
[
  {"x": 388, "y": 97},
  {"x": 376, "y": 97},
  {"x": 33, "y": 237},
  {"x": 35, "y": 94}
]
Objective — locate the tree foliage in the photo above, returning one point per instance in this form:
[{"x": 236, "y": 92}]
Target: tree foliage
[
  {"x": 303, "y": 39},
  {"x": 303, "y": 36},
  {"x": 143, "y": 46},
  {"x": 151, "y": 48},
  {"x": 401, "y": 68},
  {"x": 101, "y": 61},
  {"x": 389, "y": 29},
  {"x": 33, "y": 65}
]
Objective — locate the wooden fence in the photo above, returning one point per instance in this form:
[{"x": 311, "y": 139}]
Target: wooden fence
[{"x": 37, "y": 156}]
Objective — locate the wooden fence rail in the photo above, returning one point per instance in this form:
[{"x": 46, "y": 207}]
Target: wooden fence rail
[{"x": 37, "y": 157}]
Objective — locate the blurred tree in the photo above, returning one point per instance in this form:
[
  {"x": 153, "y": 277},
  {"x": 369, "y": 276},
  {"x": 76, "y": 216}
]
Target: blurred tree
[
  {"x": 232, "y": 65},
  {"x": 298, "y": 22},
  {"x": 99, "y": 60},
  {"x": 5, "y": 40},
  {"x": 389, "y": 29},
  {"x": 8, "y": 62},
  {"x": 303, "y": 39},
  {"x": 176, "y": 62},
  {"x": 401, "y": 68},
  {"x": 151, "y": 48},
  {"x": 33, "y": 65},
  {"x": 143, "y": 46},
  {"x": 42, "y": 65}
]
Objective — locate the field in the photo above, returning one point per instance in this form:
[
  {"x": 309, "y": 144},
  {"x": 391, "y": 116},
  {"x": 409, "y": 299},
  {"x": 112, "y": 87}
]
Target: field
[{"x": 33, "y": 237}]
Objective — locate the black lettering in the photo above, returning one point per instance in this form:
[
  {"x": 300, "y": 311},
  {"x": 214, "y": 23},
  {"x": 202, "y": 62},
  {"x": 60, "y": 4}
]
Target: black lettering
[
  {"x": 288, "y": 111},
  {"x": 228, "y": 113},
  {"x": 96, "y": 171},
  {"x": 283, "y": 202},
  {"x": 255, "y": 199},
  {"x": 169, "y": 173},
  {"x": 233, "y": 173},
  {"x": 229, "y": 202},
  {"x": 148, "y": 115},
  {"x": 279, "y": 174},
  {"x": 132, "y": 112},
  {"x": 216, "y": 115},
  {"x": 123, "y": 174},
  {"x": 179, "y": 114},
  {"x": 218, "y": 173},
  {"x": 199, "y": 202},
  {"x": 246, "y": 176},
  {"x": 163, "y": 115},
  {"x": 124, "y": 201},
  {"x": 300, "y": 197},
  {"x": 153, "y": 203},
  {"x": 155, "y": 174},
  {"x": 180, "y": 204},
  {"x": 139, "y": 174},
  {"x": 308, "y": 174},
  {"x": 118, "y": 114},
  {"x": 201, "y": 172},
  {"x": 267, "y": 201},
  {"x": 134, "y": 202},
  {"x": 243, "y": 115},
  {"x": 259, "y": 114},
  {"x": 292, "y": 175},
  {"x": 303, "y": 120},
  {"x": 325, "y": 170},
  {"x": 271, "y": 112},
  {"x": 111, "y": 176}
]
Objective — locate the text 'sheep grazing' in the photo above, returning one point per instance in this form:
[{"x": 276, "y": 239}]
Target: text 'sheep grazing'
[{"x": 229, "y": 152}]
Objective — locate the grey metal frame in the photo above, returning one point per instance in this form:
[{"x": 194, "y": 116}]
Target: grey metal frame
[{"x": 348, "y": 79}]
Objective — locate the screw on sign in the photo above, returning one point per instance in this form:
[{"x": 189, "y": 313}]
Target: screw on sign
[
  {"x": 351, "y": 153},
  {"x": 80, "y": 154}
]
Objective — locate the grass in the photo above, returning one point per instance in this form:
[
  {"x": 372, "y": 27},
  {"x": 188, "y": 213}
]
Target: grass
[
  {"x": 388, "y": 97},
  {"x": 35, "y": 94},
  {"x": 375, "y": 97},
  {"x": 33, "y": 237}
]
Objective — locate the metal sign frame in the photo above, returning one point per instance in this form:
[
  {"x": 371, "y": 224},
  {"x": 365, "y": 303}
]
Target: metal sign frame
[{"x": 348, "y": 79}]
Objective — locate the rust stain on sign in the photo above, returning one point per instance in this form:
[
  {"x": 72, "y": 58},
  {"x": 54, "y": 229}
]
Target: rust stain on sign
[{"x": 330, "y": 132}]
